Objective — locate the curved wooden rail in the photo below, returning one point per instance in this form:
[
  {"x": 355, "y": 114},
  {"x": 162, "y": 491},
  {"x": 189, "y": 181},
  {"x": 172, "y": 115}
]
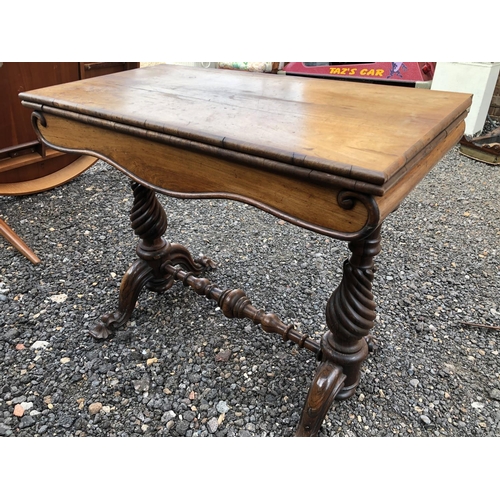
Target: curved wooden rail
[
  {"x": 49, "y": 181},
  {"x": 38, "y": 185}
]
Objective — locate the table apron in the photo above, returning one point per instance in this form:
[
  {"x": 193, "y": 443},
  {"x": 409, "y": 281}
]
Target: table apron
[
  {"x": 335, "y": 211},
  {"x": 293, "y": 194}
]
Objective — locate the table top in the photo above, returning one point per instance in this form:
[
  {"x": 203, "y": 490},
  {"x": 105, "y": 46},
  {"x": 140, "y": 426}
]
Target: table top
[{"x": 354, "y": 130}]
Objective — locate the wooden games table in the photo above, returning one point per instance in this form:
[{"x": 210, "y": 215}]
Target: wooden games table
[{"x": 333, "y": 157}]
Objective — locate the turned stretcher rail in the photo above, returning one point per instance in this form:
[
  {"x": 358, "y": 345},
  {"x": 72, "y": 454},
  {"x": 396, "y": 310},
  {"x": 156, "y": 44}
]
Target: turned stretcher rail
[{"x": 236, "y": 304}]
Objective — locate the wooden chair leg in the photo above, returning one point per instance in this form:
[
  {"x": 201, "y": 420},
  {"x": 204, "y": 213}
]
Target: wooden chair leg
[{"x": 17, "y": 242}]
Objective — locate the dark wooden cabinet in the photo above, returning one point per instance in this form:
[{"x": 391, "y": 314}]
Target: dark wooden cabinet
[
  {"x": 91, "y": 69},
  {"x": 27, "y": 166},
  {"x": 17, "y": 136},
  {"x": 15, "y": 124}
]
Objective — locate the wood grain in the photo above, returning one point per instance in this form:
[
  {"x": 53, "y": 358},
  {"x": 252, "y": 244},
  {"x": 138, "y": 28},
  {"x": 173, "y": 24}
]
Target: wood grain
[
  {"x": 17, "y": 242},
  {"x": 359, "y": 131},
  {"x": 15, "y": 77},
  {"x": 288, "y": 145},
  {"x": 394, "y": 196},
  {"x": 335, "y": 157},
  {"x": 179, "y": 173}
]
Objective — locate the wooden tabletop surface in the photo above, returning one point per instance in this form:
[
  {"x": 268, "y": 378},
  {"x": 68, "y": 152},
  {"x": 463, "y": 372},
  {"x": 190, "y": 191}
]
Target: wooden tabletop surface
[{"x": 356, "y": 130}]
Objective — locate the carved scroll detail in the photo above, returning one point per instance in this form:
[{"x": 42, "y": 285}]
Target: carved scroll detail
[
  {"x": 347, "y": 200},
  {"x": 35, "y": 118},
  {"x": 326, "y": 384}
]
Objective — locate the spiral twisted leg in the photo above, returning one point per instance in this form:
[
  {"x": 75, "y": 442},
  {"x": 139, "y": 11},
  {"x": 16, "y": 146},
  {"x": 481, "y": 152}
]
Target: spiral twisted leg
[
  {"x": 149, "y": 222},
  {"x": 350, "y": 312},
  {"x": 350, "y": 315}
]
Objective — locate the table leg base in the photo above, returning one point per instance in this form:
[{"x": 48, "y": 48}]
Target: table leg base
[
  {"x": 141, "y": 275},
  {"x": 132, "y": 283},
  {"x": 328, "y": 381},
  {"x": 149, "y": 222},
  {"x": 350, "y": 311},
  {"x": 350, "y": 315}
]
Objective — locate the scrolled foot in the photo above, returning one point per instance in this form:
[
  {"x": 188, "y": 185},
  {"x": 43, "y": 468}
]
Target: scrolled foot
[
  {"x": 107, "y": 324},
  {"x": 206, "y": 262},
  {"x": 138, "y": 275},
  {"x": 327, "y": 382}
]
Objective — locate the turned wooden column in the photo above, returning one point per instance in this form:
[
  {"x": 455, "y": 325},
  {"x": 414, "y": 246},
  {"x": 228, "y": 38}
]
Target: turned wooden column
[
  {"x": 350, "y": 315},
  {"x": 149, "y": 222}
]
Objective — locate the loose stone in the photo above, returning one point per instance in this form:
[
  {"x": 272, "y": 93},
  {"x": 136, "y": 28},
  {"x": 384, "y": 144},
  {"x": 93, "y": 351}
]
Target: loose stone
[
  {"x": 181, "y": 427},
  {"x": 495, "y": 394},
  {"x": 222, "y": 407},
  {"x": 27, "y": 405},
  {"x": 223, "y": 356},
  {"x": 26, "y": 421},
  {"x": 39, "y": 344},
  {"x": 5, "y": 430},
  {"x": 212, "y": 425},
  {"x": 95, "y": 408},
  {"x": 168, "y": 416},
  {"x": 18, "y": 411}
]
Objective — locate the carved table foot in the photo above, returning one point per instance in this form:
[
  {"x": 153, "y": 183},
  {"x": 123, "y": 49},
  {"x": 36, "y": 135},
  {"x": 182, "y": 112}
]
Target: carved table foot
[
  {"x": 327, "y": 382},
  {"x": 350, "y": 315},
  {"x": 132, "y": 283},
  {"x": 149, "y": 221}
]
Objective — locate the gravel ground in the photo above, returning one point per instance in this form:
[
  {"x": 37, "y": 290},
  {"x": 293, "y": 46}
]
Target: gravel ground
[{"x": 180, "y": 368}]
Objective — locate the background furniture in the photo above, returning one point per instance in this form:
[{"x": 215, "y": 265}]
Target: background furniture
[{"x": 27, "y": 166}]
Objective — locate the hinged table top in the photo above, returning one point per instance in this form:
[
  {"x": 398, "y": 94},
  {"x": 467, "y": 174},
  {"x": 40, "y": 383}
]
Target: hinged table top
[{"x": 355, "y": 130}]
